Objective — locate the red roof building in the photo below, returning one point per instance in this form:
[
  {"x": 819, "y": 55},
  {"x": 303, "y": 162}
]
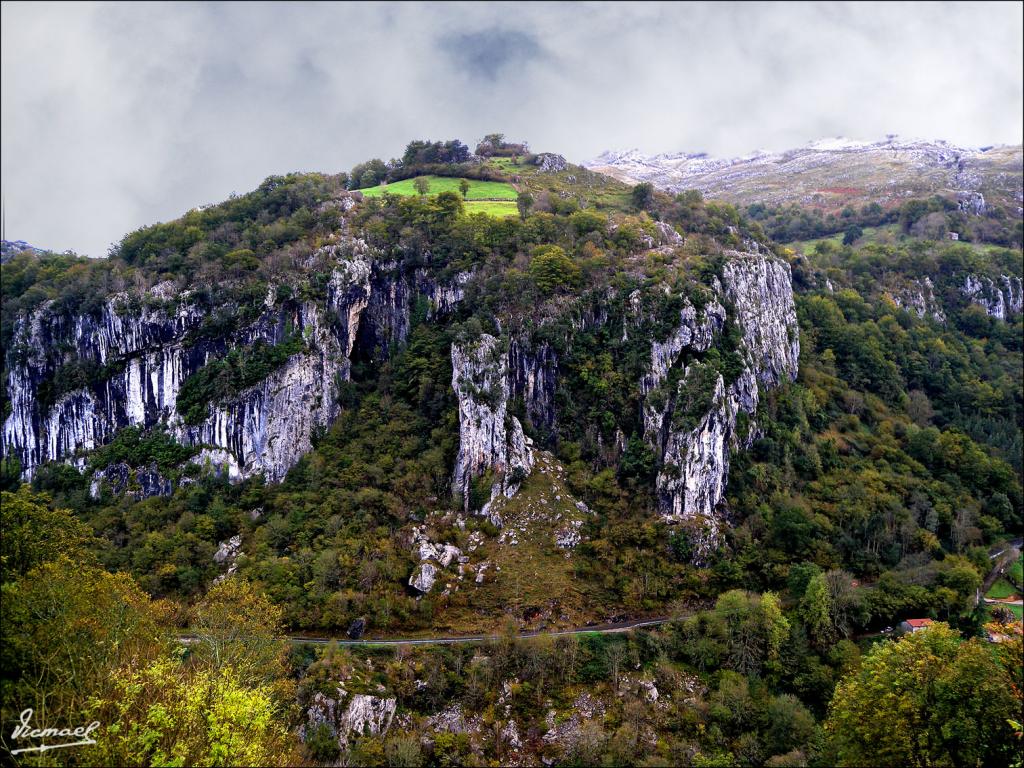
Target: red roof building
[{"x": 913, "y": 625}]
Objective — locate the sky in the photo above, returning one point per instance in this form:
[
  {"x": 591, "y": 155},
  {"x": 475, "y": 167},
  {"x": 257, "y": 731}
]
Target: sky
[{"x": 119, "y": 116}]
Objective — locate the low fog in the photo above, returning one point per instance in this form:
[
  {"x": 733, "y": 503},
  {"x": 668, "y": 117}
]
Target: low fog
[{"x": 117, "y": 116}]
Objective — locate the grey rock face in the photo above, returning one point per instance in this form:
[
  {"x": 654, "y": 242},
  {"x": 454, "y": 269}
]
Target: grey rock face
[
  {"x": 147, "y": 347},
  {"x": 919, "y": 298},
  {"x": 695, "y": 456},
  {"x": 489, "y": 437},
  {"x": 1000, "y": 298},
  {"x": 548, "y": 162},
  {"x": 534, "y": 375},
  {"x": 228, "y": 554},
  {"x": 363, "y": 716},
  {"x": 228, "y": 550},
  {"x": 668, "y": 233},
  {"x": 366, "y": 716},
  {"x": 423, "y": 577},
  {"x": 142, "y": 483},
  {"x": 971, "y": 202}
]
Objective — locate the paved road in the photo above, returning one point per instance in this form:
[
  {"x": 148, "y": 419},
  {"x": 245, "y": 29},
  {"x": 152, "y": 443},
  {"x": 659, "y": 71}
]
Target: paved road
[{"x": 624, "y": 626}]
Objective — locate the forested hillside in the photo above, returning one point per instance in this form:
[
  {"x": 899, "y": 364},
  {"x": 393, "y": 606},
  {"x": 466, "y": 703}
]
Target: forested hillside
[{"x": 494, "y": 392}]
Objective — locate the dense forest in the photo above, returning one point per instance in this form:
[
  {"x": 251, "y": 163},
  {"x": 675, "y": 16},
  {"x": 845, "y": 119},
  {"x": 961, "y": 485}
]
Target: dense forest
[{"x": 876, "y": 488}]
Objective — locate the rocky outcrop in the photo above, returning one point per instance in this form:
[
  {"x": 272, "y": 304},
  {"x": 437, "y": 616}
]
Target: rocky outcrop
[
  {"x": 227, "y": 554},
  {"x": 566, "y": 733},
  {"x": 1001, "y": 298},
  {"x": 423, "y": 577},
  {"x": 120, "y": 478},
  {"x": 270, "y": 426},
  {"x": 443, "y": 297},
  {"x": 694, "y": 424},
  {"x": 534, "y": 375},
  {"x": 971, "y": 202},
  {"x": 364, "y": 715},
  {"x": 919, "y": 298},
  {"x": 433, "y": 558},
  {"x": 548, "y": 162},
  {"x": 137, "y": 350},
  {"x": 490, "y": 439}
]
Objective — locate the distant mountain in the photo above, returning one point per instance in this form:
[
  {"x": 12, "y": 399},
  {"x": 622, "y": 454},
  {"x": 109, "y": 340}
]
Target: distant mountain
[
  {"x": 11, "y": 248},
  {"x": 836, "y": 172}
]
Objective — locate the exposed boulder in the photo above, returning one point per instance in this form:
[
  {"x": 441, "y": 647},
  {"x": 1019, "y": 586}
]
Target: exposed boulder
[
  {"x": 228, "y": 550},
  {"x": 548, "y": 162},
  {"x": 363, "y": 716},
  {"x": 669, "y": 235},
  {"x": 423, "y": 577},
  {"x": 356, "y": 628}
]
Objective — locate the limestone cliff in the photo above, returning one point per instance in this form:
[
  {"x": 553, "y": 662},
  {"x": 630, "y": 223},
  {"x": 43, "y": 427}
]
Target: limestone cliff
[
  {"x": 1001, "y": 298},
  {"x": 490, "y": 439},
  {"x": 694, "y": 425},
  {"x": 137, "y": 350}
]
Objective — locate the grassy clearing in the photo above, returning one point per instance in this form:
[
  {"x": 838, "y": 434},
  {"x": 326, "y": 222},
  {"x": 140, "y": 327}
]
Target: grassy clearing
[
  {"x": 1001, "y": 590},
  {"x": 506, "y": 163},
  {"x": 1016, "y": 570},
  {"x": 496, "y": 208},
  {"x": 478, "y": 190}
]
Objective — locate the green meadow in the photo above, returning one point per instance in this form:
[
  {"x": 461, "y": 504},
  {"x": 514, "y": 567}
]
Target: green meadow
[{"x": 478, "y": 190}]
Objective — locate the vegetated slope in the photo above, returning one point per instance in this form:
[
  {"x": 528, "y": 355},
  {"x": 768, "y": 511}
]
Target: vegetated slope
[
  {"x": 313, "y": 409},
  {"x": 387, "y": 360},
  {"x": 832, "y": 174}
]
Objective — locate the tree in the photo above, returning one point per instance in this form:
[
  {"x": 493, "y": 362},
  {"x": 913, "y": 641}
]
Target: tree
[
  {"x": 166, "y": 713},
  {"x": 368, "y": 174},
  {"x": 422, "y": 185},
  {"x": 34, "y": 532},
  {"x": 65, "y": 626},
  {"x": 236, "y": 625},
  {"x": 553, "y": 270},
  {"x": 464, "y": 188},
  {"x": 852, "y": 234},
  {"x": 524, "y": 202},
  {"x": 643, "y": 195},
  {"x": 614, "y": 655},
  {"x": 927, "y": 699},
  {"x": 790, "y": 725},
  {"x": 815, "y": 610}
]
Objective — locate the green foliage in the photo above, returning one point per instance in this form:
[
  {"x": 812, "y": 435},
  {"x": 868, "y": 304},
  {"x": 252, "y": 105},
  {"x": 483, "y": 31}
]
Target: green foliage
[
  {"x": 167, "y": 714},
  {"x": 552, "y": 269},
  {"x": 139, "y": 448},
  {"x": 927, "y": 698},
  {"x": 35, "y": 532},
  {"x": 239, "y": 369},
  {"x": 643, "y": 195}
]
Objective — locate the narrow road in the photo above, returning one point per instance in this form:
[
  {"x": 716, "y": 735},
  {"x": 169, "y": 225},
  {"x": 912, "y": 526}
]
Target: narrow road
[
  {"x": 1002, "y": 559},
  {"x": 624, "y": 626}
]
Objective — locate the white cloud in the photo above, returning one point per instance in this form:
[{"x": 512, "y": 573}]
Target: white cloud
[{"x": 116, "y": 116}]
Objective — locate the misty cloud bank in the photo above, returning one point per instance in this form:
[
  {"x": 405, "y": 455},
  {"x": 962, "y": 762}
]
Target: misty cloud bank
[{"x": 119, "y": 116}]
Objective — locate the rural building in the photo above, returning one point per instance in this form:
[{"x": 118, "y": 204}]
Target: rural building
[{"x": 913, "y": 625}]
